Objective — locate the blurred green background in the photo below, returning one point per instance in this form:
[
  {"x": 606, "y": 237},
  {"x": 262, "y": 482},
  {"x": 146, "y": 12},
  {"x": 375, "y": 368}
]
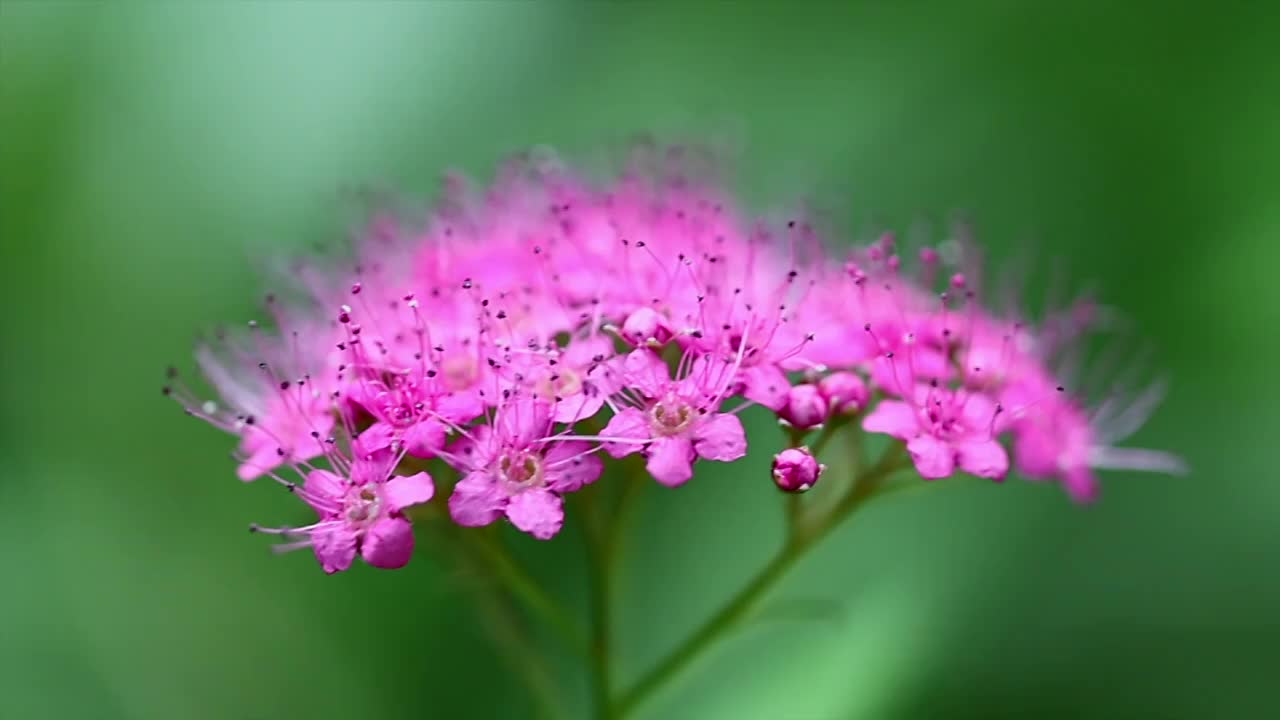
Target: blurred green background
[{"x": 150, "y": 154}]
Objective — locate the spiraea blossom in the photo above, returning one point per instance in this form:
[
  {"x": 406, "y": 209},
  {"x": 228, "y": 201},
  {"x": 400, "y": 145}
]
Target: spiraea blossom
[{"x": 530, "y": 335}]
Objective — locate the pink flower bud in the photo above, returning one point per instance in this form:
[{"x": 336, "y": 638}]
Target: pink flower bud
[
  {"x": 795, "y": 470},
  {"x": 805, "y": 407},
  {"x": 844, "y": 392},
  {"x": 645, "y": 326}
]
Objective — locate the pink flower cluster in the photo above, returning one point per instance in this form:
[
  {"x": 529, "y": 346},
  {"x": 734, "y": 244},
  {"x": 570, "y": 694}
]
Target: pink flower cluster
[{"x": 529, "y": 330}]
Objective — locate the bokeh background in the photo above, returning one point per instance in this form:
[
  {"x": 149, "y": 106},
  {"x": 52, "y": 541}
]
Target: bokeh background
[{"x": 151, "y": 154}]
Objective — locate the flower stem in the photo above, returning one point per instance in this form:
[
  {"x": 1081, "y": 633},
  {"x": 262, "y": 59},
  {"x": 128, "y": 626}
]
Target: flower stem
[
  {"x": 601, "y": 660},
  {"x": 510, "y": 636},
  {"x": 604, "y": 541},
  {"x": 524, "y": 661},
  {"x": 523, "y": 586},
  {"x": 798, "y": 542}
]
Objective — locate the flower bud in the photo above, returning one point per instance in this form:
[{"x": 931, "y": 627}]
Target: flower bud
[
  {"x": 844, "y": 392},
  {"x": 795, "y": 470},
  {"x": 805, "y": 407},
  {"x": 646, "y": 327}
]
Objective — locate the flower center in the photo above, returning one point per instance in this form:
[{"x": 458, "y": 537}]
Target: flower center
[
  {"x": 561, "y": 384},
  {"x": 943, "y": 418},
  {"x": 520, "y": 470},
  {"x": 459, "y": 372},
  {"x": 671, "y": 416},
  {"x": 362, "y": 506}
]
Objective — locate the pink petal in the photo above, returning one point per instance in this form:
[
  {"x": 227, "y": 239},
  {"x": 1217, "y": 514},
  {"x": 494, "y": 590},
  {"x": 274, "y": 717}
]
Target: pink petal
[
  {"x": 984, "y": 458},
  {"x": 893, "y": 418},
  {"x": 630, "y": 424},
  {"x": 425, "y": 438},
  {"x": 646, "y": 372},
  {"x": 671, "y": 460},
  {"x": 569, "y": 467},
  {"x": 459, "y": 407},
  {"x": 720, "y": 437},
  {"x": 523, "y": 421},
  {"x": 259, "y": 462},
  {"x": 536, "y": 511},
  {"x": 1081, "y": 485},
  {"x": 378, "y": 436},
  {"x": 933, "y": 458},
  {"x": 323, "y": 491},
  {"x": 579, "y": 407},
  {"x": 335, "y": 549},
  {"x": 765, "y": 384},
  {"x": 476, "y": 449},
  {"x": 979, "y": 412},
  {"x": 476, "y": 500},
  {"x": 374, "y": 470},
  {"x": 402, "y": 491},
  {"x": 582, "y": 353},
  {"x": 388, "y": 544}
]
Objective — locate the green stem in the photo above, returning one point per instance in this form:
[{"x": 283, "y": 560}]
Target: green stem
[
  {"x": 509, "y": 634},
  {"x": 523, "y": 586},
  {"x": 524, "y": 661},
  {"x": 746, "y": 599},
  {"x": 604, "y": 542},
  {"x": 601, "y": 665}
]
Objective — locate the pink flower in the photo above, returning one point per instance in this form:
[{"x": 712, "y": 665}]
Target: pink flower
[
  {"x": 408, "y": 412},
  {"x": 646, "y": 327},
  {"x": 676, "y": 421},
  {"x": 575, "y": 380},
  {"x": 944, "y": 429},
  {"x": 293, "y": 429},
  {"x": 844, "y": 392},
  {"x": 795, "y": 470},
  {"x": 358, "y": 515},
  {"x": 1057, "y": 439},
  {"x": 488, "y": 335},
  {"x": 517, "y": 468},
  {"x": 806, "y": 407}
]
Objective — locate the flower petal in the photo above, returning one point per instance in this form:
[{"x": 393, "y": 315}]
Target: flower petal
[
  {"x": 580, "y": 406},
  {"x": 671, "y": 460},
  {"x": 646, "y": 372},
  {"x": 401, "y": 491},
  {"x": 1081, "y": 484},
  {"x": 425, "y": 438},
  {"x": 378, "y": 436},
  {"x": 335, "y": 549},
  {"x": 476, "y": 500},
  {"x": 933, "y": 458},
  {"x": 984, "y": 458},
  {"x": 765, "y": 384},
  {"x": 388, "y": 544},
  {"x": 460, "y": 407},
  {"x": 892, "y": 418},
  {"x": 537, "y": 511},
  {"x": 522, "y": 421},
  {"x": 570, "y": 465},
  {"x": 323, "y": 491},
  {"x": 720, "y": 437},
  {"x": 629, "y": 424}
]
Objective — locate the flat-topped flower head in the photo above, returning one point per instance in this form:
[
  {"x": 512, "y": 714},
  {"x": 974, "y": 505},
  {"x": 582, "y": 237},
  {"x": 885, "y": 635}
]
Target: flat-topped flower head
[
  {"x": 493, "y": 332},
  {"x": 517, "y": 468},
  {"x": 674, "y": 421}
]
